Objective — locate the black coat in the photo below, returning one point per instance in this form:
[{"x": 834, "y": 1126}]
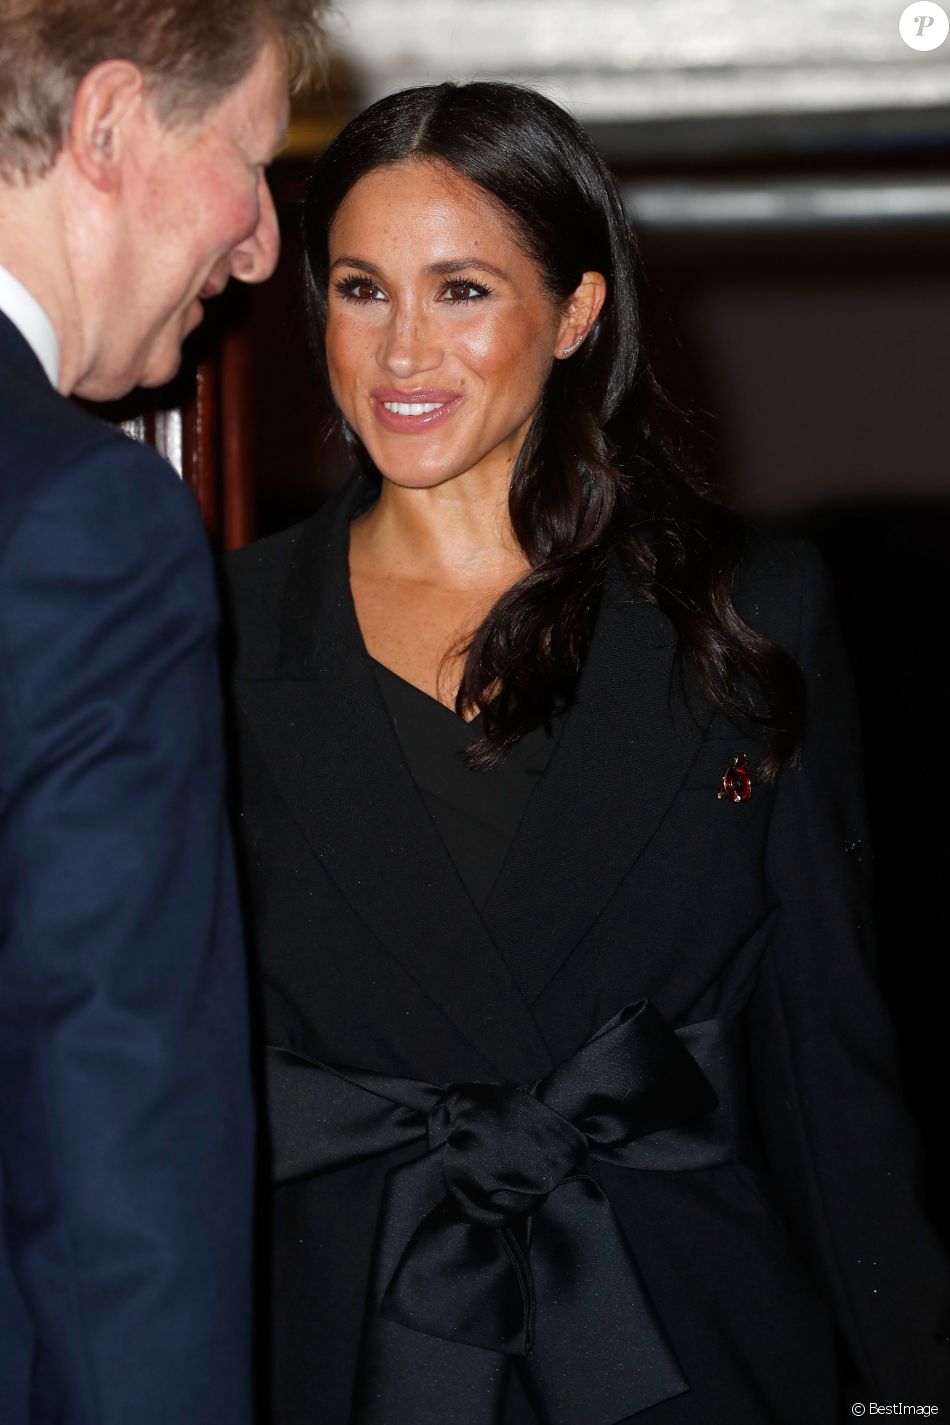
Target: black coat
[{"x": 629, "y": 879}]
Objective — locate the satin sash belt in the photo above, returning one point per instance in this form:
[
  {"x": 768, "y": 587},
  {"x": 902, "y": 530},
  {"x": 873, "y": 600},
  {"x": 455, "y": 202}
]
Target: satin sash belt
[{"x": 499, "y": 1242}]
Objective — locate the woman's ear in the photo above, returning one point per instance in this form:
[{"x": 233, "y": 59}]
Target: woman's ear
[{"x": 581, "y": 311}]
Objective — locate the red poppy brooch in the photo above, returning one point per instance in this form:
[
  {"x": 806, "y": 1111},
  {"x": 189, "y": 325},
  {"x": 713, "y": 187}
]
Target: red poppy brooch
[{"x": 736, "y": 784}]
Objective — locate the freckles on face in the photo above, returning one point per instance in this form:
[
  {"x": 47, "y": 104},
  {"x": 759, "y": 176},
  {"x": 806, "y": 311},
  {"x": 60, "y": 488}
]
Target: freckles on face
[{"x": 440, "y": 332}]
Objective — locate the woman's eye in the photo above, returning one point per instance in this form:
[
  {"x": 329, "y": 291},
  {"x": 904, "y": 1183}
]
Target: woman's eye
[
  {"x": 359, "y": 289},
  {"x": 460, "y": 291}
]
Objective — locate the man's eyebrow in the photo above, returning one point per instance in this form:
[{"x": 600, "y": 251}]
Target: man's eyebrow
[{"x": 440, "y": 269}]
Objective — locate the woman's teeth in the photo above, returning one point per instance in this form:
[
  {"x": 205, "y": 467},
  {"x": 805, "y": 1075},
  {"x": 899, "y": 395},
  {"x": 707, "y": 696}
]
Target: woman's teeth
[{"x": 413, "y": 408}]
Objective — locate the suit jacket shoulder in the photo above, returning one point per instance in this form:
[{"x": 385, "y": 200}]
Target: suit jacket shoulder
[{"x": 52, "y": 449}]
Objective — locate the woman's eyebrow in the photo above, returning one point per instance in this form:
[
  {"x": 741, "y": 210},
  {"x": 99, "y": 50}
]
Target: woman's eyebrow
[
  {"x": 355, "y": 262},
  {"x": 460, "y": 264},
  {"x": 441, "y": 269}
]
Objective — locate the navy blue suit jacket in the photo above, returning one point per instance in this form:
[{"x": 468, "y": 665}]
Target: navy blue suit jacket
[{"x": 126, "y": 1124}]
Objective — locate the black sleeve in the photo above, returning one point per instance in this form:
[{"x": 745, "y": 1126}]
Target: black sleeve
[{"x": 823, "y": 1054}]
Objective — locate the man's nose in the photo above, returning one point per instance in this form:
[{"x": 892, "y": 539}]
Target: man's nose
[{"x": 254, "y": 259}]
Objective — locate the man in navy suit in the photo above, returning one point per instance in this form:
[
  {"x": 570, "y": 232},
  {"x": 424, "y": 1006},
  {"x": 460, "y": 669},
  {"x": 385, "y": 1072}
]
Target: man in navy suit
[{"x": 133, "y": 145}]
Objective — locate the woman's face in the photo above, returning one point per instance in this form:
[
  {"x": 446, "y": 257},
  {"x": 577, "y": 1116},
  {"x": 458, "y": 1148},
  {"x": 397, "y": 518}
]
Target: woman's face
[{"x": 440, "y": 333}]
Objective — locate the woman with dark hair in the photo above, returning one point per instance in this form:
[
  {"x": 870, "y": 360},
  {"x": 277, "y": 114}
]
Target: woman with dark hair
[{"x": 581, "y": 1099}]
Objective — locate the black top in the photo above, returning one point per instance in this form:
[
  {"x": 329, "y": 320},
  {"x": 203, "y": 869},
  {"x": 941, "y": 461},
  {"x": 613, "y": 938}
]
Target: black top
[{"x": 477, "y": 813}]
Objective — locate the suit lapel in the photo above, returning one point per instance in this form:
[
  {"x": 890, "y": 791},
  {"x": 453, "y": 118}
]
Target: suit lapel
[
  {"x": 323, "y": 729},
  {"x": 16, "y": 351},
  {"x": 626, "y": 747}
]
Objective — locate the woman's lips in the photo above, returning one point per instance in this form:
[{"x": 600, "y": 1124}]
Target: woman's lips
[{"x": 389, "y": 408}]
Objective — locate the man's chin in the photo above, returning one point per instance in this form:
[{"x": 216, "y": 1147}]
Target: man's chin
[
  {"x": 154, "y": 363},
  {"x": 113, "y": 386},
  {"x": 160, "y": 374}
]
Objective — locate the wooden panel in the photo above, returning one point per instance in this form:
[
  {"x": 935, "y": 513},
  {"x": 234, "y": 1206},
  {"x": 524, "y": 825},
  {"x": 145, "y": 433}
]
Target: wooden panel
[
  {"x": 236, "y": 465},
  {"x": 201, "y": 465},
  {"x": 202, "y": 424}
]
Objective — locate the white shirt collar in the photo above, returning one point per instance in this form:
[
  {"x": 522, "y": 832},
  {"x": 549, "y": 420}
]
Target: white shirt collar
[{"x": 31, "y": 321}]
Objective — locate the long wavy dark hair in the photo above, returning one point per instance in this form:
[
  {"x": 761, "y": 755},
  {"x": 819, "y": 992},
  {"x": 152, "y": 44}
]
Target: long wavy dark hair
[{"x": 595, "y": 478}]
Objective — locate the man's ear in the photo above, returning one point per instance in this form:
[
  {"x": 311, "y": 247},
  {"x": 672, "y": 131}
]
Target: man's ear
[{"x": 107, "y": 100}]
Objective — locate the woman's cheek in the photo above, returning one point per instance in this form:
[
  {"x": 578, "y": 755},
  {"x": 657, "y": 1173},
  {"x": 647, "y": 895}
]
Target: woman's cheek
[
  {"x": 346, "y": 357},
  {"x": 483, "y": 342}
]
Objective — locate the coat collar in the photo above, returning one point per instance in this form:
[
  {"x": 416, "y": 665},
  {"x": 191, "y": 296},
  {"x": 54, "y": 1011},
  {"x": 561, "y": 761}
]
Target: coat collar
[{"x": 322, "y": 726}]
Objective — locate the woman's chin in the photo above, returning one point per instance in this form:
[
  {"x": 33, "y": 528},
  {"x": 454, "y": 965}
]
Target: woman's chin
[{"x": 415, "y": 477}]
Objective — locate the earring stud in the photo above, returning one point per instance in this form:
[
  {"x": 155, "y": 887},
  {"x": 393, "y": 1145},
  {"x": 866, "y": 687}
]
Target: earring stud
[{"x": 573, "y": 347}]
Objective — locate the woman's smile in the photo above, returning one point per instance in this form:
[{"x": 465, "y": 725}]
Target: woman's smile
[
  {"x": 439, "y": 326},
  {"x": 414, "y": 412}
]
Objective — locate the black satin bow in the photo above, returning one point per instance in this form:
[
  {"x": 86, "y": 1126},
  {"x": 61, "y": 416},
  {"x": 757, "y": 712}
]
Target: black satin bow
[{"x": 499, "y": 1241}]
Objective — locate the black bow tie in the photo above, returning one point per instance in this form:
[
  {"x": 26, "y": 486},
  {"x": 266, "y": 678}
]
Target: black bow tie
[{"x": 499, "y": 1242}]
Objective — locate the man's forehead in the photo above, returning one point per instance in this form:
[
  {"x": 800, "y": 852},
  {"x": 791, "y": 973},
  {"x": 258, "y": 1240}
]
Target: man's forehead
[
  {"x": 270, "y": 117},
  {"x": 258, "y": 105}
]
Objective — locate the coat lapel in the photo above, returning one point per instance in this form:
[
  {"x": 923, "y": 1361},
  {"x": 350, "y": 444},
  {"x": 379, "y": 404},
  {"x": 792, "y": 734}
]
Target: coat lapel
[
  {"x": 323, "y": 729},
  {"x": 624, "y": 751}
]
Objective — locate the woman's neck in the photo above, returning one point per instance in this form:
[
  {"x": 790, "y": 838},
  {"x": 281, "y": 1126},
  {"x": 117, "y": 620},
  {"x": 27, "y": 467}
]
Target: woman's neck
[{"x": 456, "y": 535}]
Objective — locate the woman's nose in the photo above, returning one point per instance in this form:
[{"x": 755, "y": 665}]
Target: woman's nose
[{"x": 409, "y": 344}]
